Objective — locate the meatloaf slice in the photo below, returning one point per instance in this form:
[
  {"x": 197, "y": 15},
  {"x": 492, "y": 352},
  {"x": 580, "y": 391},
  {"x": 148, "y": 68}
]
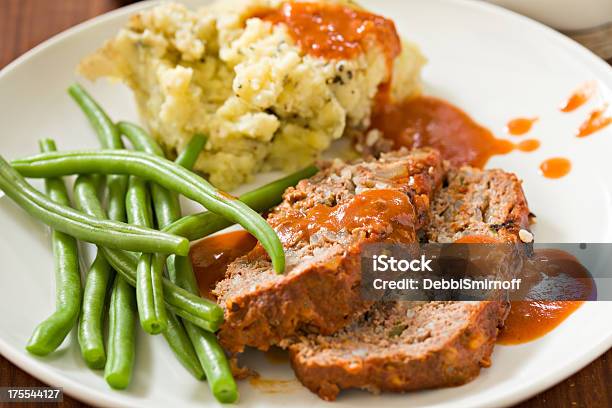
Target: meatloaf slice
[
  {"x": 323, "y": 223},
  {"x": 483, "y": 203},
  {"x": 403, "y": 346}
]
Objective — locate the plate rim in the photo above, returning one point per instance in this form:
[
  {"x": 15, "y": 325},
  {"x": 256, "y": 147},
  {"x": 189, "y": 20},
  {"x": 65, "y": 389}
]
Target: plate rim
[{"x": 40, "y": 370}]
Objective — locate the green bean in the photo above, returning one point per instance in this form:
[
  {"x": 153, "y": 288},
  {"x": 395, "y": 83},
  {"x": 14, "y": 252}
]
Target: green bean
[
  {"x": 151, "y": 308},
  {"x": 90, "y": 335},
  {"x": 201, "y": 312},
  {"x": 185, "y": 277},
  {"x": 140, "y": 139},
  {"x": 215, "y": 364},
  {"x": 179, "y": 342},
  {"x": 138, "y": 203},
  {"x": 190, "y": 154},
  {"x": 117, "y": 188},
  {"x": 50, "y": 333},
  {"x": 149, "y": 293},
  {"x": 110, "y": 138},
  {"x": 107, "y": 132},
  {"x": 121, "y": 335},
  {"x": 81, "y": 226},
  {"x": 209, "y": 352},
  {"x": 196, "y": 226},
  {"x": 165, "y": 173}
]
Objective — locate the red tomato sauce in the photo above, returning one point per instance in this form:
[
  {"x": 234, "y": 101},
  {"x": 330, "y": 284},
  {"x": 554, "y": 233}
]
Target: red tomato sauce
[
  {"x": 369, "y": 208},
  {"x": 555, "y": 167},
  {"x": 528, "y": 145},
  {"x": 211, "y": 256},
  {"x": 597, "y": 120},
  {"x": 429, "y": 121},
  {"x": 334, "y": 31},
  {"x": 531, "y": 319},
  {"x": 579, "y": 97},
  {"x": 520, "y": 126}
]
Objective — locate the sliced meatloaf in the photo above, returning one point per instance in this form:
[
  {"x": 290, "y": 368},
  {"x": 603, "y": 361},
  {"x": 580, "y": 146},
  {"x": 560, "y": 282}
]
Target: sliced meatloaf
[
  {"x": 402, "y": 346},
  {"x": 323, "y": 223},
  {"x": 478, "y": 203}
]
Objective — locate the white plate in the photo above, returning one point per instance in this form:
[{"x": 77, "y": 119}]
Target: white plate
[{"x": 491, "y": 62}]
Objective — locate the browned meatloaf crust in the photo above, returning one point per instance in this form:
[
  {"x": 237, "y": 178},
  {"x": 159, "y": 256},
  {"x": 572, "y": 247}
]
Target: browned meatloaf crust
[
  {"x": 373, "y": 201},
  {"x": 403, "y": 346}
]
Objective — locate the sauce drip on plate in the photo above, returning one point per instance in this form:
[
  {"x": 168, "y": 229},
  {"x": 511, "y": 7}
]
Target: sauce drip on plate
[
  {"x": 555, "y": 167},
  {"x": 580, "y": 96},
  {"x": 334, "y": 31},
  {"x": 562, "y": 274},
  {"x": 520, "y": 126},
  {"x": 528, "y": 145},
  {"x": 211, "y": 256},
  {"x": 429, "y": 121},
  {"x": 531, "y": 319},
  {"x": 597, "y": 120}
]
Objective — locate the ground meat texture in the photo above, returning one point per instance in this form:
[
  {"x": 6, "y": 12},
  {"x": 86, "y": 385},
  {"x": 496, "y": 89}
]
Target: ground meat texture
[
  {"x": 323, "y": 223},
  {"x": 400, "y": 346},
  {"x": 486, "y": 203},
  {"x": 404, "y": 346}
]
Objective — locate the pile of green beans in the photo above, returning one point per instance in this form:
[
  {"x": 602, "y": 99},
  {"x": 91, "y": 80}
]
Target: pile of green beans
[
  {"x": 167, "y": 209},
  {"x": 138, "y": 269}
]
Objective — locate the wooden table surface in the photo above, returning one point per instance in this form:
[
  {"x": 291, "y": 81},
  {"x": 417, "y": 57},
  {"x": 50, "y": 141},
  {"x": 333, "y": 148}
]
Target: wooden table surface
[{"x": 25, "y": 23}]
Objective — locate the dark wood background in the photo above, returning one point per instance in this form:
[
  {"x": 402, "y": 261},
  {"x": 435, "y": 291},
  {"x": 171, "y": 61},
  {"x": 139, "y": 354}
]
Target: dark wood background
[{"x": 26, "y": 23}]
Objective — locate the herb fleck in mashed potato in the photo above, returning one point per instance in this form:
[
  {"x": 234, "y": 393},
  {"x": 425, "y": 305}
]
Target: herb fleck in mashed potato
[{"x": 244, "y": 82}]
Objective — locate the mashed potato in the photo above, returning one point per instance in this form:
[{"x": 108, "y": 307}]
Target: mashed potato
[{"x": 245, "y": 83}]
